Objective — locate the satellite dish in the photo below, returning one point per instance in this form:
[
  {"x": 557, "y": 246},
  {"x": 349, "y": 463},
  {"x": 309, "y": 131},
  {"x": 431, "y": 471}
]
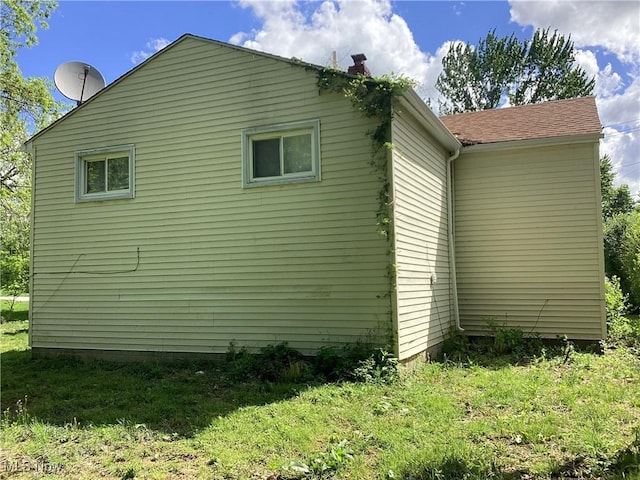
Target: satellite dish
[{"x": 78, "y": 81}]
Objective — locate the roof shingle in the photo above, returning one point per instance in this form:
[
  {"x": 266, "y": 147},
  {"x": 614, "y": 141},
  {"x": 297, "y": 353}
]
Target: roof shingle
[{"x": 559, "y": 118}]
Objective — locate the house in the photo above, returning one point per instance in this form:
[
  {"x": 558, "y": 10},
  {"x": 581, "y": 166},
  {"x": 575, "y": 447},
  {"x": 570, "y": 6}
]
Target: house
[
  {"x": 528, "y": 220},
  {"x": 216, "y": 195}
]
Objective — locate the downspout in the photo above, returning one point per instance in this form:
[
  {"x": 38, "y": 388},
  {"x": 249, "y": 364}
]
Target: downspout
[{"x": 452, "y": 246}]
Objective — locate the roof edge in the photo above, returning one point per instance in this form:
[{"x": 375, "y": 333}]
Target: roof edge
[
  {"x": 416, "y": 106},
  {"x": 27, "y": 145},
  {"x": 532, "y": 143},
  {"x": 523, "y": 106}
]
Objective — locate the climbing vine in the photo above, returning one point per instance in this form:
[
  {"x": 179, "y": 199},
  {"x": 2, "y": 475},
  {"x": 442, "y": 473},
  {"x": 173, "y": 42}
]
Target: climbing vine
[{"x": 373, "y": 98}]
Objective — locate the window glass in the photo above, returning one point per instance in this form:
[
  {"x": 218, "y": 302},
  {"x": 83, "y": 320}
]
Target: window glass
[
  {"x": 297, "y": 153},
  {"x": 266, "y": 158},
  {"x": 282, "y": 153},
  {"x": 95, "y": 177},
  {"x": 118, "y": 174},
  {"x": 105, "y": 173}
]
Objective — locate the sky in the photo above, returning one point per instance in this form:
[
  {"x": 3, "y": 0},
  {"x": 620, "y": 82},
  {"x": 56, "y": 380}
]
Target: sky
[{"x": 403, "y": 37}]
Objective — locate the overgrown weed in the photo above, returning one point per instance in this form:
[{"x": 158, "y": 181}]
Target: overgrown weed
[
  {"x": 322, "y": 466},
  {"x": 280, "y": 363},
  {"x": 503, "y": 345}
]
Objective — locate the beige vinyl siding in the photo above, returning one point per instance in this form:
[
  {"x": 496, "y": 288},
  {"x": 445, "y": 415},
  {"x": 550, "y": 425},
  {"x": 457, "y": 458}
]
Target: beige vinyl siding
[
  {"x": 424, "y": 311},
  {"x": 300, "y": 263},
  {"x": 528, "y": 248}
]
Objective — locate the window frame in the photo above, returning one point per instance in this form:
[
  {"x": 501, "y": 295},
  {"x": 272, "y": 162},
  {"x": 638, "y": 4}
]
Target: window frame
[
  {"x": 83, "y": 157},
  {"x": 269, "y": 132}
]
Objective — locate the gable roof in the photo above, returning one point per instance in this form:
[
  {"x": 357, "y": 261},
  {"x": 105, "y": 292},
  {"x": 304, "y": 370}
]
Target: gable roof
[
  {"x": 179, "y": 40},
  {"x": 559, "y": 118},
  {"x": 409, "y": 98}
]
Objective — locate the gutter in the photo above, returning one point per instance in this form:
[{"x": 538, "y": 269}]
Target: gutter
[{"x": 451, "y": 238}]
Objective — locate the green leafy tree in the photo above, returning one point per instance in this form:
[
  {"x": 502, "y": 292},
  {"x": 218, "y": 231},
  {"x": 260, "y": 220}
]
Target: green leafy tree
[
  {"x": 621, "y": 233},
  {"x": 499, "y": 68},
  {"x": 622, "y": 253},
  {"x": 615, "y": 200},
  {"x": 26, "y": 105}
]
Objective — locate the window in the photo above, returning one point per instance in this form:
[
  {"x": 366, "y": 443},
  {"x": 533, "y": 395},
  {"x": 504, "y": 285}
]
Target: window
[
  {"x": 281, "y": 154},
  {"x": 105, "y": 173}
]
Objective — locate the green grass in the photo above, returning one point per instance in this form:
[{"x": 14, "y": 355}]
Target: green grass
[
  {"x": 14, "y": 331},
  {"x": 546, "y": 420},
  {"x": 20, "y": 310}
]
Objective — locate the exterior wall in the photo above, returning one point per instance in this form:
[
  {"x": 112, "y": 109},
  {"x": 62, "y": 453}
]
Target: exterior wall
[
  {"x": 217, "y": 263},
  {"x": 528, "y": 240},
  {"x": 423, "y": 310}
]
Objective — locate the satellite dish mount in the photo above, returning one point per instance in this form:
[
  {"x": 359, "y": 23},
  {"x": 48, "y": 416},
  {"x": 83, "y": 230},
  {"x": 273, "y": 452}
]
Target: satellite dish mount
[{"x": 78, "y": 81}]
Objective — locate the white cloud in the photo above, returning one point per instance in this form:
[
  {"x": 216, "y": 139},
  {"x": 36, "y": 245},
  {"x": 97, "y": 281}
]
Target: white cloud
[
  {"x": 612, "y": 27},
  {"x": 347, "y": 27},
  {"x": 620, "y": 116},
  {"x": 152, "y": 46},
  {"x": 608, "y": 82}
]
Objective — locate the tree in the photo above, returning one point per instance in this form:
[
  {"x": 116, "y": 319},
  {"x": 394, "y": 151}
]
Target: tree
[
  {"x": 621, "y": 232},
  {"x": 622, "y": 253},
  {"x": 614, "y": 200},
  {"x": 529, "y": 71},
  {"x": 25, "y": 106}
]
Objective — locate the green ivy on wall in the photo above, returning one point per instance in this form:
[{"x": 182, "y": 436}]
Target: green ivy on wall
[{"x": 373, "y": 98}]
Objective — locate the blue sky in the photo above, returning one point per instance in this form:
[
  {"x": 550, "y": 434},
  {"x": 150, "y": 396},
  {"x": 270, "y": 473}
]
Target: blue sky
[{"x": 408, "y": 37}]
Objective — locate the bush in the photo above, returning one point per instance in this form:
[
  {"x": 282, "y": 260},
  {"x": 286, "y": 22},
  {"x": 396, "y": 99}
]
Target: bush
[
  {"x": 274, "y": 363},
  {"x": 615, "y": 300},
  {"x": 622, "y": 253},
  {"x": 625, "y": 331},
  {"x": 15, "y": 273},
  {"x": 513, "y": 341},
  {"x": 281, "y": 363},
  {"x": 379, "y": 367},
  {"x": 501, "y": 341},
  {"x": 456, "y": 347},
  {"x": 334, "y": 363},
  {"x": 359, "y": 362}
]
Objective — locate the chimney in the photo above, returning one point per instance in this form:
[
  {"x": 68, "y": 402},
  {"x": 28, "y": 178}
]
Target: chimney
[{"x": 358, "y": 67}]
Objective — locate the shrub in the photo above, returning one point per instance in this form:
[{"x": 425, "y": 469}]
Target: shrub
[
  {"x": 625, "y": 331},
  {"x": 513, "y": 341},
  {"x": 334, "y": 363},
  {"x": 502, "y": 341},
  {"x": 274, "y": 363},
  {"x": 616, "y": 301},
  {"x": 456, "y": 346},
  {"x": 380, "y": 367},
  {"x": 280, "y": 363},
  {"x": 622, "y": 253},
  {"x": 622, "y": 330},
  {"x": 15, "y": 273}
]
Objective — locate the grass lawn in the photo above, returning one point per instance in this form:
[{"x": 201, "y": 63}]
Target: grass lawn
[
  {"x": 65, "y": 418},
  {"x": 20, "y": 310}
]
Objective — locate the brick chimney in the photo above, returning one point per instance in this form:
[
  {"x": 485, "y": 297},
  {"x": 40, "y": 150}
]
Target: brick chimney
[{"x": 358, "y": 67}]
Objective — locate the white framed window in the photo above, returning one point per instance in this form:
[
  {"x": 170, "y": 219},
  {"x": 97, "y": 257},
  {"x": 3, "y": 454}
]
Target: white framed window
[
  {"x": 282, "y": 153},
  {"x": 105, "y": 173}
]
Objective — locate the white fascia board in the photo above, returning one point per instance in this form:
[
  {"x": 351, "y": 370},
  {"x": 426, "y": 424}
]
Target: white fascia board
[
  {"x": 534, "y": 143},
  {"x": 412, "y": 103}
]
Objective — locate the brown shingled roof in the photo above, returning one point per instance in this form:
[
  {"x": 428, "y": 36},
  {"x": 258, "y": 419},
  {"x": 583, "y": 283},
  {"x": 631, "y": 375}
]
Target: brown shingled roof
[{"x": 559, "y": 118}]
